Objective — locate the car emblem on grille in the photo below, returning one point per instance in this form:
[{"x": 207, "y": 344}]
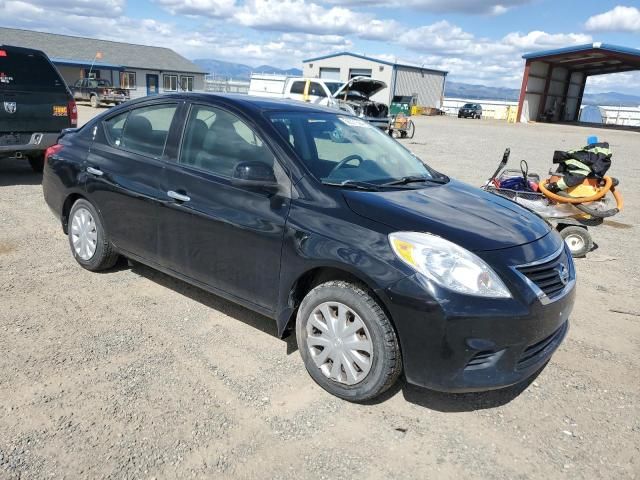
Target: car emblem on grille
[
  {"x": 10, "y": 107},
  {"x": 563, "y": 273}
]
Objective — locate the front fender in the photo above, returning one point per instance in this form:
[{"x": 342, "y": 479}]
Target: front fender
[{"x": 359, "y": 249}]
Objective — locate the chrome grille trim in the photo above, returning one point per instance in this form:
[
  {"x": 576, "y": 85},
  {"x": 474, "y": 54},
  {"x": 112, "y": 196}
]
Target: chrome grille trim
[{"x": 557, "y": 294}]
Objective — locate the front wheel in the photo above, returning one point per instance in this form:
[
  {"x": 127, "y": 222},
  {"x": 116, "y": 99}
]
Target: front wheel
[
  {"x": 578, "y": 239},
  {"x": 93, "y": 100},
  {"x": 347, "y": 342},
  {"x": 87, "y": 238}
]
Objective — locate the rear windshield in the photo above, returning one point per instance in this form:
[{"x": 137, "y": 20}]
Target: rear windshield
[{"x": 19, "y": 71}]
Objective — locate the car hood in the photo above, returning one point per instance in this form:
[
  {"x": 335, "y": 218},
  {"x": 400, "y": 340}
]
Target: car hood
[
  {"x": 365, "y": 85},
  {"x": 465, "y": 215}
]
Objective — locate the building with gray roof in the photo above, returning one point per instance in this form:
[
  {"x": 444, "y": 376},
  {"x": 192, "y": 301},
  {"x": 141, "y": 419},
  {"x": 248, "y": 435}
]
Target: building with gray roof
[{"x": 142, "y": 69}]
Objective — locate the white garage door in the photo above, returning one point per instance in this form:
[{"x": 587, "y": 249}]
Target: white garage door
[{"x": 330, "y": 73}]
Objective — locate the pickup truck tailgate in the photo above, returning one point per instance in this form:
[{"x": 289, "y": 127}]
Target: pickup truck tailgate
[
  {"x": 33, "y": 96},
  {"x": 22, "y": 111}
]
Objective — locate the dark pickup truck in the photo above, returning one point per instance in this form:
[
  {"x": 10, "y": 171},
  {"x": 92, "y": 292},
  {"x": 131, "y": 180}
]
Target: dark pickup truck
[
  {"x": 35, "y": 105},
  {"x": 98, "y": 91}
]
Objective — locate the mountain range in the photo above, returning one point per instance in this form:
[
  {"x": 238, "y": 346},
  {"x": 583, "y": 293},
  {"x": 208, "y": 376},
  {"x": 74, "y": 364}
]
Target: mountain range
[
  {"x": 239, "y": 71},
  {"x": 466, "y": 91}
]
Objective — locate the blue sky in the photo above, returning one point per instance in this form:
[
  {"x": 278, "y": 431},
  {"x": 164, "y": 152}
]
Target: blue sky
[{"x": 477, "y": 41}]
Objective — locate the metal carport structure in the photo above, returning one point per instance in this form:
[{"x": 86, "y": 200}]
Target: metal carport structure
[{"x": 554, "y": 80}]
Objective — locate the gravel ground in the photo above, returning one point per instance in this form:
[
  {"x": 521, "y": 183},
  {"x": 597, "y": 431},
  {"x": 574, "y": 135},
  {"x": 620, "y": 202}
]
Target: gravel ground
[{"x": 132, "y": 374}]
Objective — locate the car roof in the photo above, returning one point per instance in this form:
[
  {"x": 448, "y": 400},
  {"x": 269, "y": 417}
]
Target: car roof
[{"x": 248, "y": 103}]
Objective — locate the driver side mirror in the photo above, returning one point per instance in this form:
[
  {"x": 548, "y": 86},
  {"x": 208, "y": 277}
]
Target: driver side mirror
[{"x": 255, "y": 175}]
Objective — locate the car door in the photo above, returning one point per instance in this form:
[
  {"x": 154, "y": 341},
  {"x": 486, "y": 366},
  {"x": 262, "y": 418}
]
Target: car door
[
  {"x": 317, "y": 94},
  {"x": 216, "y": 232},
  {"x": 124, "y": 171}
]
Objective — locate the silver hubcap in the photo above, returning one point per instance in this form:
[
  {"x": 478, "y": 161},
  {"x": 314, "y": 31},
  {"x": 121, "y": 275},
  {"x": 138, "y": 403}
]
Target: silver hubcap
[
  {"x": 575, "y": 242},
  {"x": 84, "y": 235},
  {"x": 339, "y": 343}
]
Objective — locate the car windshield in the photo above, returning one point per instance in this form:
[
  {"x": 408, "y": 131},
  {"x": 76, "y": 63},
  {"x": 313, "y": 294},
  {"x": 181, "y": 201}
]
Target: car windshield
[
  {"x": 469, "y": 105},
  {"x": 342, "y": 149},
  {"x": 333, "y": 86}
]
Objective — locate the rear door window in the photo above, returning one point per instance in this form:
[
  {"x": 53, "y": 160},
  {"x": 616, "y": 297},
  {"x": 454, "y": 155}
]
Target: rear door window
[
  {"x": 27, "y": 71},
  {"x": 142, "y": 130}
]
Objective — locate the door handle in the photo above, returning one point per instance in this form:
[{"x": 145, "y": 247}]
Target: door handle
[
  {"x": 178, "y": 196},
  {"x": 95, "y": 171}
]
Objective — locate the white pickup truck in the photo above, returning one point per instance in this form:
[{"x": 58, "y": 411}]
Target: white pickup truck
[{"x": 353, "y": 96}]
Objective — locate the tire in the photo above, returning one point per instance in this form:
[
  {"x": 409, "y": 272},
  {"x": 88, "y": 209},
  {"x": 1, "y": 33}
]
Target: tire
[
  {"x": 372, "y": 373},
  {"x": 459, "y": 116},
  {"x": 578, "y": 239},
  {"x": 37, "y": 163},
  {"x": 104, "y": 255},
  {"x": 93, "y": 100}
]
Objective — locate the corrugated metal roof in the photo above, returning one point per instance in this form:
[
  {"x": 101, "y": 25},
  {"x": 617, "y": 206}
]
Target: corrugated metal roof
[
  {"x": 377, "y": 60},
  {"x": 81, "y": 50},
  {"x": 582, "y": 48}
]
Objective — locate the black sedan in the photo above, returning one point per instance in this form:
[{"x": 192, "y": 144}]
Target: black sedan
[
  {"x": 470, "y": 110},
  {"x": 380, "y": 264}
]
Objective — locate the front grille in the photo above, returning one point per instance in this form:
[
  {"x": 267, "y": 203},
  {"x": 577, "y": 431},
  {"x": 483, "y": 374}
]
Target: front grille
[
  {"x": 551, "y": 276},
  {"x": 539, "y": 350}
]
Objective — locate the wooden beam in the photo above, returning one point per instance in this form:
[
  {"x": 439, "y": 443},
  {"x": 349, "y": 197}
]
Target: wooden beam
[
  {"x": 565, "y": 97},
  {"x": 523, "y": 90},
  {"x": 576, "y": 117}
]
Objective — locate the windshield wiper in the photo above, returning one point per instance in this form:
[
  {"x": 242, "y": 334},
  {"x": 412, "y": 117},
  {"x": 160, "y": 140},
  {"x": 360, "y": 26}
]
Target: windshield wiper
[
  {"x": 415, "y": 179},
  {"x": 354, "y": 184}
]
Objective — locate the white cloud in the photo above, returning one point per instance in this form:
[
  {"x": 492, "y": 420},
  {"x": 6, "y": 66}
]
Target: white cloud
[
  {"x": 73, "y": 7},
  {"x": 491, "y": 7},
  {"x": 207, "y": 8},
  {"x": 619, "y": 19},
  {"x": 307, "y": 17},
  {"x": 613, "y": 82},
  {"x": 445, "y": 46},
  {"x": 537, "y": 40}
]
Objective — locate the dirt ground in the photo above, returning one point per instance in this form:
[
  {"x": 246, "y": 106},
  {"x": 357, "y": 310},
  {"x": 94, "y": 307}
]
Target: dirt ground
[{"x": 132, "y": 374}]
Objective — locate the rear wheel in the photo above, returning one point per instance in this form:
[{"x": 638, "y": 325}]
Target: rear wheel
[
  {"x": 37, "y": 163},
  {"x": 93, "y": 100},
  {"x": 578, "y": 239},
  {"x": 347, "y": 342},
  {"x": 87, "y": 238}
]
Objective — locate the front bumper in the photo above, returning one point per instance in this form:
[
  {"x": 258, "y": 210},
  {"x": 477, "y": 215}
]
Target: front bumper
[
  {"x": 36, "y": 142},
  {"x": 458, "y": 343}
]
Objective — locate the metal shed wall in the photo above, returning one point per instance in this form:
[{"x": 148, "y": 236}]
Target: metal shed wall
[
  {"x": 427, "y": 85},
  {"x": 345, "y": 63}
]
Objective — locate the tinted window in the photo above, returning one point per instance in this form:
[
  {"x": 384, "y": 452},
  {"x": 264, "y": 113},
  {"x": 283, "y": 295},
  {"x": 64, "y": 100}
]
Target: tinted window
[
  {"x": 297, "y": 87},
  {"x": 216, "y": 141},
  {"x": 143, "y": 130},
  {"x": 27, "y": 71},
  {"x": 333, "y": 86},
  {"x": 316, "y": 90},
  {"x": 114, "y": 128}
]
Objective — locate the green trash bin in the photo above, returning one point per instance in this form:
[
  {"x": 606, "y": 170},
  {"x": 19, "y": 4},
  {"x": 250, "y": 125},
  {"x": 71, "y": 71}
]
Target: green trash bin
[{"x": 400, "y": 104}]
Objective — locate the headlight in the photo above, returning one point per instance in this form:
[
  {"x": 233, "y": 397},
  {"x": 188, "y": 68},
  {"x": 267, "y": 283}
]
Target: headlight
[{"x": 448, "y": 264}]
